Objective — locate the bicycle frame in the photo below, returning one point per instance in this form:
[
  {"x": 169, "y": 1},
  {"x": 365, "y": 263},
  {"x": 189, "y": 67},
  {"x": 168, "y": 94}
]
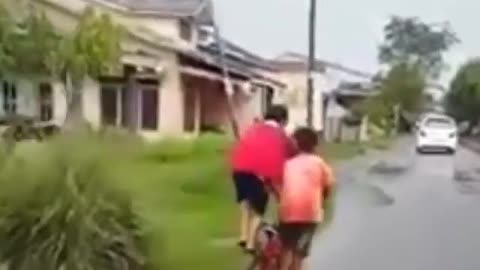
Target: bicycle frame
[{"x": 268, "y": 249}]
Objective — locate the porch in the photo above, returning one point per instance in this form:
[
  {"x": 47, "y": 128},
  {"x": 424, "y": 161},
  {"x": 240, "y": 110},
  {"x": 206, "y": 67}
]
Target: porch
[{"x": 206, "y": 104}]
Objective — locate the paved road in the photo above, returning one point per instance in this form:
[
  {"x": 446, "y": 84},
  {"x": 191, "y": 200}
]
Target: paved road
[{"x": 420, "y": 219}]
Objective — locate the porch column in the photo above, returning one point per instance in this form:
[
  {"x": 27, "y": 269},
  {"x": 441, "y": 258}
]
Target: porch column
[
  {"x": 197, "y": 110},
  {"x": 118, "y": 119}
]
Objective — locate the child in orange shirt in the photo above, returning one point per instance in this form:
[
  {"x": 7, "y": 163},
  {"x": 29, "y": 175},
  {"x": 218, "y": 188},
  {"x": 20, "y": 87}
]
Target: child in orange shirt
[{"x": 306, "y": 184}]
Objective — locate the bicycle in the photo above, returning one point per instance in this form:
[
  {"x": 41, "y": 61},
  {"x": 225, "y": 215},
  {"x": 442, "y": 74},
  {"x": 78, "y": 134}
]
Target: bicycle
[{"x": 268, "y": 249}]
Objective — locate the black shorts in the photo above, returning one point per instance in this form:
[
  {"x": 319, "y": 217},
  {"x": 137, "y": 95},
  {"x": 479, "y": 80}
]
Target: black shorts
[
  {"x": 297, "y": 236},
  {"x": 251, "y": 188}
]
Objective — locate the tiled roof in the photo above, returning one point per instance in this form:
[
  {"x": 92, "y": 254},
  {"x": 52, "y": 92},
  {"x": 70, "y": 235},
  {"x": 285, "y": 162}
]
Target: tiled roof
[
  {"x": 292, "y": 60},
  {"x": 241, "y": 59},
  {"x": 210, "y": 55},
  {"x": 180, "y": 7},
  {"x": 209, "y": 42},
  {"x": 358, "y": 89},
  {"x": 200, "y": 9},
  {"x": 241, "y": 55}
]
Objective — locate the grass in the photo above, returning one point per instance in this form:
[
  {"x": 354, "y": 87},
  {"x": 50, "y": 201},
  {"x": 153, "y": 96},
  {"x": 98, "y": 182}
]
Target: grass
[
  {"x": 341, "y": 151},
  {"x": 183, "y": 194}
]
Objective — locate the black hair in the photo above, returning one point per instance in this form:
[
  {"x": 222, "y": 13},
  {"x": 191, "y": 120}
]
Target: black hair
[
  {"x": 306, "y": 139},
  {"x": 277, "y": 113}
]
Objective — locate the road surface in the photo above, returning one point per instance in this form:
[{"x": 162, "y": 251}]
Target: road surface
[{"x": 425, "y": 217}]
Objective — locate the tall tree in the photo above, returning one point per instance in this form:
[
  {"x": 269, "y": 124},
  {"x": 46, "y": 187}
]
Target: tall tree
[
  {"x": 404, "y": 86},
  {"x": 6, "y": 31},
  {"x": 409, "y": 40},
  {"x": 33, "y": 42},
  {"x": 401, "y": 91},
  {"x": 26, "y": 40},
  {"x": 463, "y": 99},
  {"x": 91, "y": 50}
]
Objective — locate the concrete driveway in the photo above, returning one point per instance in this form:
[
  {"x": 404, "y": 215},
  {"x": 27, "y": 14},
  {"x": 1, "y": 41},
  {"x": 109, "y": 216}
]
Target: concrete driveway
[{"x": 426, "y": 216}]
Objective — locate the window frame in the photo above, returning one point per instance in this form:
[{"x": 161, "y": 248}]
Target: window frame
[
  {"x": 144, "y": 113},
  {"x": 186, "y": 29},
  {"x": 46, "y": 103},
  {"x": 10, "y": 98}
]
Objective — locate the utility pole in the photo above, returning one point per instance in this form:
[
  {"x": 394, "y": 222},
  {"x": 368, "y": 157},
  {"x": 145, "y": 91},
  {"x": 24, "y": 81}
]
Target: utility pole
[
  {"x": 311, "y": 61},
  {"x": 227, "y": 83}
]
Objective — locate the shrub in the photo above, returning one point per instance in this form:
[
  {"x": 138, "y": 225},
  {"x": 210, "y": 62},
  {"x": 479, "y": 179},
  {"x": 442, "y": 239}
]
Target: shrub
[{"x": 60, "y": 208}]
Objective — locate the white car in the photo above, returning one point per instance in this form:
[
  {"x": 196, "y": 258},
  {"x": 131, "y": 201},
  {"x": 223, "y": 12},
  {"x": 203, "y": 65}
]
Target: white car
[{"x": 437, "y": 133}]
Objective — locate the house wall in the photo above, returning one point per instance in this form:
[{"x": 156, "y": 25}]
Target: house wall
[
  {"x": 91, "y": 102},
  {"x": 247, "y": 108},
  {"x": 295, "y": 97},
  {"x": 27, "y": 98},
  {"x": 59, "y": 103}
]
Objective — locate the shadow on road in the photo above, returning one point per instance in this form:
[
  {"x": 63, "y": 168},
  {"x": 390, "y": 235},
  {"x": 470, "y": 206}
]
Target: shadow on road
[
  {"x": 467, "y": 181},
  {"x": 363, "y": 195}
]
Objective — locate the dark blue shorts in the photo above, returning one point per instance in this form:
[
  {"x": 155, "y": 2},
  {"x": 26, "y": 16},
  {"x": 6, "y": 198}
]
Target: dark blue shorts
[{"x": 251, "y": 188}]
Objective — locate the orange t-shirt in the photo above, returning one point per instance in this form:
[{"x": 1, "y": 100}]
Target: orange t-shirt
[{"x": 301, "y": 197}]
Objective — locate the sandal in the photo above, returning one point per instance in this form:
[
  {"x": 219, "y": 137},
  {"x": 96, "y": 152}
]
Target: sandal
[{"x": 242, "y": 244}]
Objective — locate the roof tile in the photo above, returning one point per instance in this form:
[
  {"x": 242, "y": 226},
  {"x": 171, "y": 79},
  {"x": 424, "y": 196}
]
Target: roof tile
[{"x": 183, "y": 7}]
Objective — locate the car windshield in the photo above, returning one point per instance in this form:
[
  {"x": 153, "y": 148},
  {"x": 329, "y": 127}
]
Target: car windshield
[{"x": 439, "y": 123}]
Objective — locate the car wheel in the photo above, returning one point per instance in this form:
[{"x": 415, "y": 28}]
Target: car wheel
[{"x": 451, "y": 151}]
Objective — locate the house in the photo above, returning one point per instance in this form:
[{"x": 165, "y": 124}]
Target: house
[
  {"x": 342, "y": 121},
  {"x": 292, "y": 70},
  {"x": 171, "y": 83},
  {"x": 328, "y": 77}
]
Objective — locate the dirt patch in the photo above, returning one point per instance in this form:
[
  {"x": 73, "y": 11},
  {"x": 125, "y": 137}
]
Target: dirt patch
[
  {"x": 467, "y": 175},
  {"x": 365, "y": 194},
  {"x": 467, "y": 181},
  {"x": 390, "y": 168}
]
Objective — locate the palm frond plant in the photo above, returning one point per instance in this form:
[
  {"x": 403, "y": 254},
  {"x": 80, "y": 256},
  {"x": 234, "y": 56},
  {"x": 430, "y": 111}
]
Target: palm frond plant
[{"x": 60, "y": 210}]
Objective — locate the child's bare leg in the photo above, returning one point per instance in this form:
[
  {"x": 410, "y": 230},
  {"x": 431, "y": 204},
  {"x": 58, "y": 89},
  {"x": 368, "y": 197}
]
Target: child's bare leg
[
  {"x": 245, "y": 214},
  {"x": 254, "y": 224},
  {"x": 286, "y": 262},
  {"x": 297, "y": 263}
]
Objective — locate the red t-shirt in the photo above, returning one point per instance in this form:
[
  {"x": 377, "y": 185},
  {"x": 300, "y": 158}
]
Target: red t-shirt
[{"x": 262, "y": 150}]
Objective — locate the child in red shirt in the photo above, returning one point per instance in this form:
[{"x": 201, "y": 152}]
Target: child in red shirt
[
  {"x": 307, "y": 181},
  {"x": 257, "y": 168}
]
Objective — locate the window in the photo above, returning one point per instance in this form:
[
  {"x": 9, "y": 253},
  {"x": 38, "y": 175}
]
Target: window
[
  {"x": 9, "y": 92},
  {"x": 186, "y": 30},
  {"x": 108, "y": 97},
  {"x": 267, "y": 98},
  {"x": 46, "y": 102},
  {"x": 439, "y": 123},
  {"x": 150, "y": 108},
  {"x": 124, "y": 112}
]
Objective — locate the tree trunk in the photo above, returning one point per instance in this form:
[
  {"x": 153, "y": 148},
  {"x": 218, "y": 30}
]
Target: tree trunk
[{"x": 74, "y": 116}]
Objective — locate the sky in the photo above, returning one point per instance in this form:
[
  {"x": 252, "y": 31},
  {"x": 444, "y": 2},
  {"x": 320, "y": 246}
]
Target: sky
[{"x": 348, "y": 31}]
